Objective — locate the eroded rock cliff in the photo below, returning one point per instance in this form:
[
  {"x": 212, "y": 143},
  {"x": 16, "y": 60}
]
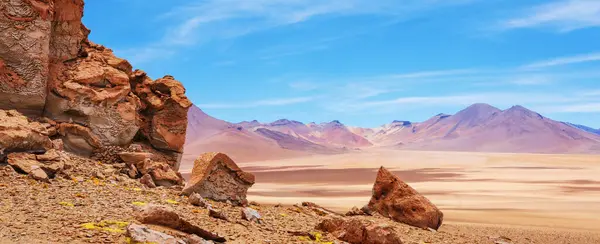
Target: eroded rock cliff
[{"x": 50, "y": 70}]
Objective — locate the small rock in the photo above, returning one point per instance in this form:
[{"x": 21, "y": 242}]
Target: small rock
[
  {"x": 217, "y": 214},
  {"x": 251, "y": 215},
  {"x": 165, "y": 216},
  {"x": 132, "y": 171},
  {"x": 356, "y": 231},
  {"x": 50, "y": 155},
  {"x": 143, "y": 234},
  {"x": 39, "y": 174},
  {"x": 147, "y": 181},
  {"x": 197, "y": 200},
  {"x": 98, "y": 175},
  {"x": 253, "y": 203},
  {"x": 355, "y": 212},
  {"x": 194, "y": 239}
]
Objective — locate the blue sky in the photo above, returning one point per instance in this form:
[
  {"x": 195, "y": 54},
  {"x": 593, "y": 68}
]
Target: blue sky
[{"x": 363, "y": 62}]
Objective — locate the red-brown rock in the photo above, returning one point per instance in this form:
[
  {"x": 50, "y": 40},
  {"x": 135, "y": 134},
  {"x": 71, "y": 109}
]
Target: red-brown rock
[
  {"x": 165, "y": 107},
  {"x": 356, "y": 231},
  {"x": 217, "y": 177},
  {"x": 395, "y": 199},
  {"x": 48, "y": 67},
  {"x": 18, "y": 134},
  {"x": 165, "y": 216}
]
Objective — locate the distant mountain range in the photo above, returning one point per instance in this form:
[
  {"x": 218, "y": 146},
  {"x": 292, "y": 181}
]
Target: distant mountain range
[{"x": 477, "y": 128}]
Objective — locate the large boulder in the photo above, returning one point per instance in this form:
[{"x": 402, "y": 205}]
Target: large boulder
[
  {"x": 164, "y": 110},
  {"x": 217, "y": 177},
  {"x": 395, "y": 199},
  {"x": 18, "y": 134},
  {"x": 357, "y": 231}
]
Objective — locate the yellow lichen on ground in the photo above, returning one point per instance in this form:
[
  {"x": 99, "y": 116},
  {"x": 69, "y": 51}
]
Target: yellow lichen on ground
[
  {"x": 139, "y": 204},
  {"x": 107, "y": 226},
  {"x": 67, "y": 204},
  {"x": 171, "y": 201}
]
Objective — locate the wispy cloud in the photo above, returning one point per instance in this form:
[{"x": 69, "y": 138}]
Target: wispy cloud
[
  {"x": 256, "y": 104},
  {"x": 531, "y": 80},
  {"x": 201, "y": 21},
  {"x": 563, "y": 15},
  {"x": 590, "y": 57},
  {"x": 573, "y": 108},
  {"x": 545, "y": 102}
]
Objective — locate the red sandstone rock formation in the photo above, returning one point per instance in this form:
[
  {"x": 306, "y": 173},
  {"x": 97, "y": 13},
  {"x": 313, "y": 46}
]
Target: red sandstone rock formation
[
  {"x": 395, "y": 199},
  {"x": 49, "y": 68},
  {"x": 18, "y": 134}
]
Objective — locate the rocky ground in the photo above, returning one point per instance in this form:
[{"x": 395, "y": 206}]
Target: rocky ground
[{"x": 82, "y": 208}]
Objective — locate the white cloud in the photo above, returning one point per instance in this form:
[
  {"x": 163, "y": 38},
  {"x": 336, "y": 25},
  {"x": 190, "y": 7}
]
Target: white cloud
[
  {"x": 564, "y": 16},
  {"x": 256, "y": 104},
  {"x": 590, "y": 57},
  {"x": 502, "y": 99},
  {"x": 202, "y": 21},
  {"x": 593, "y": 107},
  {"x": 532, "y": 80}
]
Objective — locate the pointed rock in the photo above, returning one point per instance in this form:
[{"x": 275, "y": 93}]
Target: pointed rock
[
  {"x": 217, "y": 177},
  {"x": 395, "y": 199}
]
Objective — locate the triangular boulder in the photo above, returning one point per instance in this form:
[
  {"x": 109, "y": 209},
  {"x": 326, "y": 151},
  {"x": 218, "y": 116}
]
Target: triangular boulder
[
  {"x": 395, "y": 199},
  {"x": 215, "y": 176}
]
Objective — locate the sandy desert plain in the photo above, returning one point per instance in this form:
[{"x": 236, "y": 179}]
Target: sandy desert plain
[{"x": 559, "y": 192}]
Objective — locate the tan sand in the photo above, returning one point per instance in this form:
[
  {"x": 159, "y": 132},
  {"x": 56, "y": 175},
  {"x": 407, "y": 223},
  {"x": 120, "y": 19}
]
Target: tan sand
[{"x": 558, "y": 191}]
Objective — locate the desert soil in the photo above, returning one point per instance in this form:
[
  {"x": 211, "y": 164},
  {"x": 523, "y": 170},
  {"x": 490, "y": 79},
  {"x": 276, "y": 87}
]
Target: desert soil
[
  {"x": 64, "y": 210},
  {"x": 525, "y": 192}
]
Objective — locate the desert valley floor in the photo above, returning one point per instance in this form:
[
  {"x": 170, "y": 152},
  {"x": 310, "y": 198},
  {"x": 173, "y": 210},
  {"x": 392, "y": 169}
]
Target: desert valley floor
[{"x": 528, "y": 190}]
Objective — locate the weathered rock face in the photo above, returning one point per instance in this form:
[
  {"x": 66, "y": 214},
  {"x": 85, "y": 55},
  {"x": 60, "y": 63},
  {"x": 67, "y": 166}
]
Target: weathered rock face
[
  {"x": 34, "y": 35},
  {"x": 356, "y": 231},
  {"x": 18, "y": 134},
  {"x": 48, "y": 67},
  {"x": 164, "y": 110},
  {"x": 25, "y": 33},
  {"x": 89, "y": 91},
  {"x": 216, "y": 176},
  {"x": 395, "y": 199}
]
